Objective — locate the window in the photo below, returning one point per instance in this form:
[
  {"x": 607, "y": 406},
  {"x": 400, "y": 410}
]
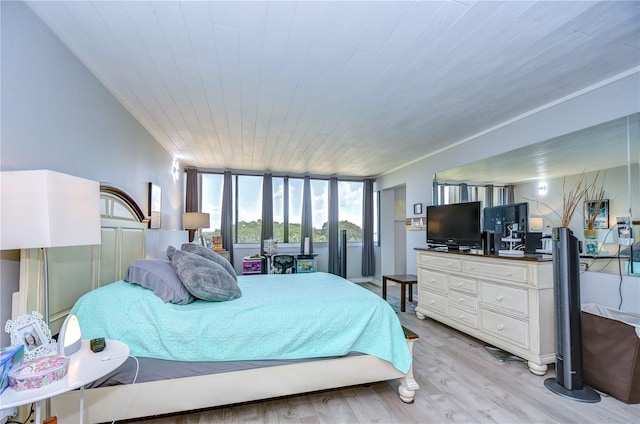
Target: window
[
  {"x": 294, "y": 224},
  {"x": 212, "y": 202},
  {"x": 376, "y": 221},
  {"x": 320, "y": 210},
  {"x": 350, "y": 209},
  {"x": 287, "y": 208},
  {"x": 248, "y": 208}
]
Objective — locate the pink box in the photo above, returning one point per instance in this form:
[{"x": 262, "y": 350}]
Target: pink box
[{"x": 38, "y": 372}]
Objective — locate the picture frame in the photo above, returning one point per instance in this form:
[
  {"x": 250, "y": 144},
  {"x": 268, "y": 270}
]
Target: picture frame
[
  {"x": 33, "y": 333},
  {"x": 602, "y": 219},
  {"x": 155, "y": 206},
  {"x": 417, "y": 208}
]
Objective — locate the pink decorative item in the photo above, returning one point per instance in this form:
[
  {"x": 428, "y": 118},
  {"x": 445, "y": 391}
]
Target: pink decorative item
[{"x": 38, "y": 372}]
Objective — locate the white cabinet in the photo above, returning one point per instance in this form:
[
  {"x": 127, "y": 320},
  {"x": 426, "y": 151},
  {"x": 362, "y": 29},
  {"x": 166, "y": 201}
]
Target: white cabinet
[{"x": 504, "y": 301}]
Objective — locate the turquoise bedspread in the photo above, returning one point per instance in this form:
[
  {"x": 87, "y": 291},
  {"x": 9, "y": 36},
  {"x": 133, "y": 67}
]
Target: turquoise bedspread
[{"x": 278, "y": 317}]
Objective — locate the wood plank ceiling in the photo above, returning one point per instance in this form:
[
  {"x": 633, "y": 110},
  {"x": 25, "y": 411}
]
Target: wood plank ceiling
[{"x": 337, "y": 87}]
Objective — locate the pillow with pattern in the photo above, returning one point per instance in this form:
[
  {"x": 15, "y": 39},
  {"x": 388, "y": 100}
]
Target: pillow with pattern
[
  {"x": 211, "y": 255},
  {"x": 204, "y": 279}
]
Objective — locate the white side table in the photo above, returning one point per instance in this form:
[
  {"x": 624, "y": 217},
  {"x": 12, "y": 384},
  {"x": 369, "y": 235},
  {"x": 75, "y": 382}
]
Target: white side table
[{"x": 85, "y": 367}]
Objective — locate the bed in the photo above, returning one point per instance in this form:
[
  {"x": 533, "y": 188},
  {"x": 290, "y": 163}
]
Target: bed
[{"x": 372, "y": 346}]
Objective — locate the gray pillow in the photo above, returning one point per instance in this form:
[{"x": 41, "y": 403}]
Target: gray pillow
[
  {"x": 158, "y": 276},
  {"x": 211, "y": 255},
  {"x": 203, "y": 278}
]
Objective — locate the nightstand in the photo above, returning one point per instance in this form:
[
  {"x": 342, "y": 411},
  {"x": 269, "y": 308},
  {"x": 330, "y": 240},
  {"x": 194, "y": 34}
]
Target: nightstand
[{"x": 85, "y": 367}]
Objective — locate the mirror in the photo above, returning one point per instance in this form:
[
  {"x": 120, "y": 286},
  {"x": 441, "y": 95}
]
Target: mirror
[{"x": 609, "y": 151}]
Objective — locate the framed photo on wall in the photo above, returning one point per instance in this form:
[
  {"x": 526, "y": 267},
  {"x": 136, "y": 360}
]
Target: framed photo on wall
[
  {"x": 155, "y": 205},
  {"x": 601, "y": 219},
  {"x": 417, "y": 208}
]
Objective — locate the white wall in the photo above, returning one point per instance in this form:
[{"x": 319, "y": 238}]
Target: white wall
[
  {"x": 612, "y": 99},
  {"x": 56, "y": 115}
]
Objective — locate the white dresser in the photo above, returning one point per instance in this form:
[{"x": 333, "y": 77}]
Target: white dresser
[{"x": 506, "y": 302}]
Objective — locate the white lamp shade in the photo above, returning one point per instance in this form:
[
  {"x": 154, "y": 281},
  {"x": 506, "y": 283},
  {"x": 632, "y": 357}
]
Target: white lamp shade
[
  {"x": 195, "y": 220},
  {"x": 48, "y": 209}
]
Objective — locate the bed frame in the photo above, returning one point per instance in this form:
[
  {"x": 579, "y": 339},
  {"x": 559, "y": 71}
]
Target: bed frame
[{"x": 123, "y": 239}]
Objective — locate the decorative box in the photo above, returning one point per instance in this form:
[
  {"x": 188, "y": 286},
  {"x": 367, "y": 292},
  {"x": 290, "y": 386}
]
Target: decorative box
[
  {"x": 38, "y": 372},
  {"x": 9, "y": 358},
  {"x": 251, "y": 265}
]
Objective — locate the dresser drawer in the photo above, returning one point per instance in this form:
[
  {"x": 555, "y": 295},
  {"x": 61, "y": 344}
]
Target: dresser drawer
[
  {"x": 434, "y": 301},
  {"x": 463, "y": 300},
  {"x": 457, "y": 282},
  {"x": 505, "y": 298},
  {"x": 516, "y": 273},
  {"x": 433, "y": 280},
  {"x": 465, "y": 317},
  {"x": 443, "y": 261},
  {"x": 507, "y": 328}
]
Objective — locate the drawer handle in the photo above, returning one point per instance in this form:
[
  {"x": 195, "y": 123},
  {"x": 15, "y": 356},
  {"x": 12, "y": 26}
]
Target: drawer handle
[
  {"x": 460, "y": 284},
  {"x": 449, "y": 264},
  {"x": 509, "y": 273},
  {"x": 433, "y": 302},
  {"x": 500, "y": 327},
  {"x": 499, "y": 297},
  {"x": 432, "y": 281},
  {"x": 460, "y": 300},
  {"x": 461, "y": 316}
]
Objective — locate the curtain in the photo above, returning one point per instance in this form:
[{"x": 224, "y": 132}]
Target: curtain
[
  {"x": 509, "y": 195},
  {"x": 464, "y": 192},
  {"x": 266, "y": 231},
  {"x": 307, "y": 226},
  {"x": 334, "y": 254},
  {"x": 435, "y": 190},
  {"x": 191, "y": 200},
  {"x": 226, "y": 215},
  {"x": 488, "y": 195},
  {"x": 368, "y": 256}
]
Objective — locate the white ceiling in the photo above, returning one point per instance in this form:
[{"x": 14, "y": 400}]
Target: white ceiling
[{"x": 346, "y": 88}]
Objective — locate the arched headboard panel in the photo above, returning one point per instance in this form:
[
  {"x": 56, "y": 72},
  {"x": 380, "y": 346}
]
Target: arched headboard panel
[{"x": 74, "y": 271}]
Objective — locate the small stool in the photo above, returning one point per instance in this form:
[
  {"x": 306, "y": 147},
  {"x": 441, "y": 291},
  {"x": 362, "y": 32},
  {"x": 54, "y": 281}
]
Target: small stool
[{"x": 404, "y": 280}]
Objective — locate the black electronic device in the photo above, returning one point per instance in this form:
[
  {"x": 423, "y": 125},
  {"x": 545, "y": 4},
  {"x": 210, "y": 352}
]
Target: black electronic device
[
  {"x": 456, "y": 225},
  {"x": 566, "y": 290},
  {"x": 98, "y": 344},
  {"x": 532, "y": 242},
  {"x": 501, "y": 219},
  {"x": 491, "y": 242}
]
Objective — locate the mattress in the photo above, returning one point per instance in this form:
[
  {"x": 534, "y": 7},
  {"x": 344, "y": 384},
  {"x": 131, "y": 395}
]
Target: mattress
[{"x": 278, "y": 317}]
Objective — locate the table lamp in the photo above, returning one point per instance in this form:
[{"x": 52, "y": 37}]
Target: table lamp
[
  {"x": 43, "y": 209},
  {"x": 70, "y": 336},
  {"x": 196, "y": 221}
]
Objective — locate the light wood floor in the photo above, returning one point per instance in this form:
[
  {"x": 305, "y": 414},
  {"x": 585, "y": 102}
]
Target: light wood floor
[{"x": 460, "y": 382}]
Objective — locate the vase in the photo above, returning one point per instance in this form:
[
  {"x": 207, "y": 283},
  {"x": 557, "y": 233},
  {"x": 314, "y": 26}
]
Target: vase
[{"x": 591, "y": 242}]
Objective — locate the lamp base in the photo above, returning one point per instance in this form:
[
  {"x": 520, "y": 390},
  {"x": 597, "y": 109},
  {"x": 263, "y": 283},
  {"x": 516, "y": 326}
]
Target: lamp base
[{"x": 586, "y": 394}]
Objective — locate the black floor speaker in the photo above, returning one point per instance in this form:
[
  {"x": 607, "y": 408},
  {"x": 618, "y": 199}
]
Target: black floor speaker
[{"x": 566, "y": 286}]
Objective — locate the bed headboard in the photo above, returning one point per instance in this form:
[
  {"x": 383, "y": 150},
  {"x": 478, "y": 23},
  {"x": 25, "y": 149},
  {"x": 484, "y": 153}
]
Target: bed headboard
[{"x": 74, "y": 271}]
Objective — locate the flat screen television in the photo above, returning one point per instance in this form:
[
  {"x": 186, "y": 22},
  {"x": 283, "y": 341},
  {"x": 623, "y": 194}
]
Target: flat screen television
[{"x": 456, "y": 225}]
